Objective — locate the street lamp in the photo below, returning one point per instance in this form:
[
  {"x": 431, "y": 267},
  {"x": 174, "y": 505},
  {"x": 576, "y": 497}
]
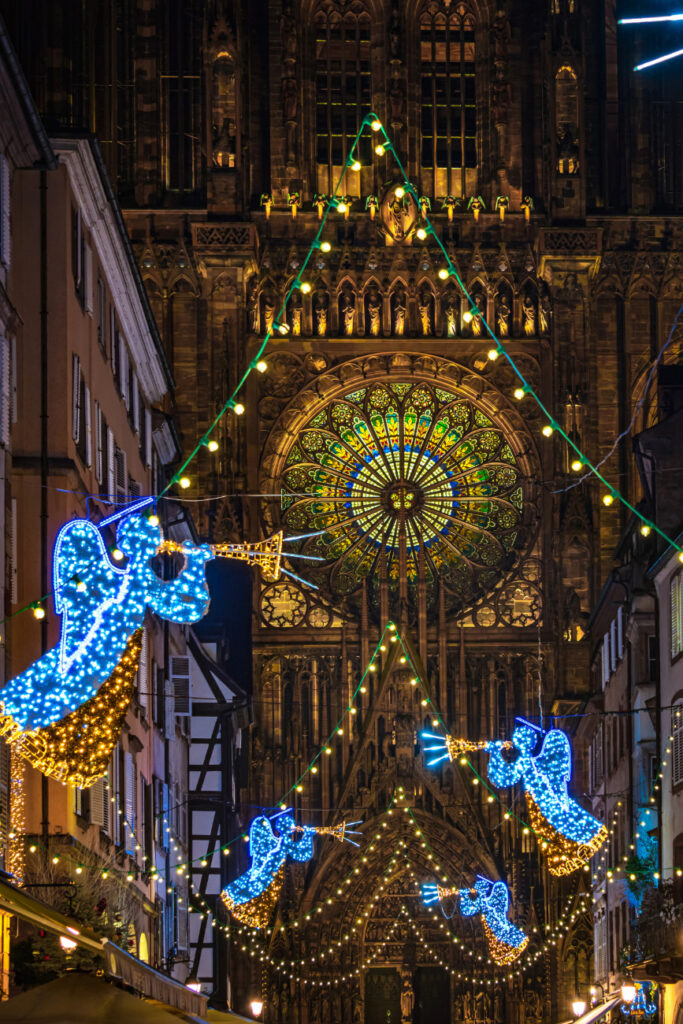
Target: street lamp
[
  {"x": 192, "y": 983},
  {"x": 594, "y": 993},
  {"x": 256, "y": 1006},
  {"x": 578, "y": 1007}
]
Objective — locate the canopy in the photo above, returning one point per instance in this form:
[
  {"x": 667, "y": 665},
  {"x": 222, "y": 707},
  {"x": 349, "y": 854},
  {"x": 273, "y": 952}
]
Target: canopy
[{"x": 79, "y": 998}]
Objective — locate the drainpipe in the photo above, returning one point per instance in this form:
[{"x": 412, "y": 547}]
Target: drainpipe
[{"x": 44, "y": 468}]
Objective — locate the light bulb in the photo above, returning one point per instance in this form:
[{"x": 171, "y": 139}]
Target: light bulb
[
  {"x": 376, "y": 125},
  {"x": 262, "y": 366},
  {"x": 355, "y": 166},
  {"x": 467, "y": 316},
  {"x": 577, "y": 465},
  {"x": 325, "y": 246},
  {"x": 80, "y": 586},
  {"x": 645, "y": 530},
  {"x": 547, "y": 430},
  {"x": 443, "y": 274},
  {"x": 282, "y": 328},
  {"x": 608, "y": 499},
  {"x": 212, "y": 446},
  {"x": 305, "y": 287},
  {"x": 342, "y": 206},
  {"x": 399, "y": 192},
  {"x": 421, "y": 234},
  {"x": 379, "y": 149},
  {"x": 184, "y": 483},
  {"x": 239, "y": 409},
  {"x": 519, "y": 393},
  {"x": 153, "y": 519}
]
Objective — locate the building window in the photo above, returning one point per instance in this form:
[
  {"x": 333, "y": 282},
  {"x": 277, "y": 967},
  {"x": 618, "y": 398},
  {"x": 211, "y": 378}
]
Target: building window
[
  {"x": 81, "y": 426},
  {"x": 676, "y": 623},
  {"x": 343, "y": 89},
  {"x": 652, "y": 659},
  {"x": 448, "y": 109},
  {"x": 676, "y": 745},
  {"x": 180, "y": 97},
  {"x": 102, "y": 313}
]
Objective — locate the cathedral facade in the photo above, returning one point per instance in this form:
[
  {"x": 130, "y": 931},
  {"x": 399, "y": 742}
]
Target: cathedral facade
[{"x": 549, "y": 172}]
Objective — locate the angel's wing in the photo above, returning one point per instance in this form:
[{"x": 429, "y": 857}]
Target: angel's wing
[{"x": 555, "y": 759}]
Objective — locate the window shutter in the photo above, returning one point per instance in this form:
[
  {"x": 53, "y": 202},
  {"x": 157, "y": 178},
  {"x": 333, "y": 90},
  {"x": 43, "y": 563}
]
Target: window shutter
[
  {"x": 605, "y": 660},
  {"x": 78, "y": 800},
  {"x": 121, "y": 482},
  {"x": 143, "y": 674},
  {"x": 5, "y": 199},
  {"x": 676, "y": 639},
  {"x": 180, "y": 680},
  {"x": 13, "y": 583},
  {"x": 113, "y": 340},
  {"x": 111, "y": 488},
  {"x": 613, "y": 645},
  {"x": 5, "y": 390},
  {"x": 13, "y": 378},
  {"x": 148, "y": 438},
  {"x": 130, "y": 802},
  {"x": 677, "y": 744},
  {"x": 169, "y": 711},
  {"x": 620, "y": 632},
  {"x": 76, "y": 400},
  {"x": 98, "y": 443},
  {"x": 115, "y": 804},
  {"x": 123, "y": 372},
  {"x": 136, "y": 404},
  {"x": 98, "y": 799},
  {"x": 88, "y": 428},
  {"x": 88, "y": 280}
]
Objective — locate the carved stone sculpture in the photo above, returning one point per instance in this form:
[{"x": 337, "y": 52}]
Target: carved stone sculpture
[
  {"x": 320, "y": 312},
  {"x": 503, "y": 315},
  {"x": 529, "y": 316},
  {"x": 348, "y": 311},
  {"x": 373, "y": 312},
  {"x": 399, "y": 304}
]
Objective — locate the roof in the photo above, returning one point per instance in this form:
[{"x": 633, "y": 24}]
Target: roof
[
  {"x": 36, "y": 150},
  {"x": 78, "y": 998}
]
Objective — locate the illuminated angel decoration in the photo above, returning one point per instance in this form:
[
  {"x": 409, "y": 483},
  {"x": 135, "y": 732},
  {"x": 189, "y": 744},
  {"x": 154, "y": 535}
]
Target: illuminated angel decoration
[
  {"x": 251, "y": 898},
  {"x": 569, "y": 835},
  {"x": 491, "y": 900}
]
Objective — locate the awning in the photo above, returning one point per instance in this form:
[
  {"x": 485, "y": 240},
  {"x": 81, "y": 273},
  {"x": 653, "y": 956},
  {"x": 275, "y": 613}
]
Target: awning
[
  {"x": 597, "y": 1011},
  {"x": 79, "y": 998}
]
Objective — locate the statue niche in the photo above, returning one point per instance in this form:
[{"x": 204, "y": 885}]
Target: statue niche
[
  {"x": 373, "y": 311},
  {"x": 425, "y": 308},
  {"x": 295, "y": 312},
  {"x": 477, "y": 323},
  {"x": 267, "y": 308},
  {"x": 399, "y": 311},
  {"x": 567, "y": 120},
  {"x": 320, "y": 311},
  {"x": 529, "y": 311},
  {"x": 450, "y": 307},
  {"x": 503, "y": 311},
  {"x": 347, "y": 310},
  {"x": 223, "y": 113}
]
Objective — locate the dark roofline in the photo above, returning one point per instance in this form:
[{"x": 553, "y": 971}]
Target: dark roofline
[
  {"x": 120, "y": 223},
  {"x": 26, "y": 101}
]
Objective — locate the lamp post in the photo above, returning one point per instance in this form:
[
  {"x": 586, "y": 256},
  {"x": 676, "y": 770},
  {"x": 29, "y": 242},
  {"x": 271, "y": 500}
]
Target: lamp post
[{"x": 256, "y": 1006}]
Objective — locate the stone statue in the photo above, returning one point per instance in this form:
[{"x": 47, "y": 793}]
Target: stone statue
[
  {"x": 295, "y": 312},
  {"x": 348, "y": 310},
  {"x": 399, "y": 303},
  {"x": 501, "y": 97},
  {"x": 373, "y": 312},
  {"x": 476, "y": 324},
  {"x": 224, "y": 145},
  {"x": 451, "y": 316},
  {"x": 529, "y": 316},
  {"x": 544, "y": 313},
  {"x": 396, "y": 99},
  {"x": 288, "y": 34},
  {"x": 425, "y": 309},
  {"x": 567, "y": 150},
  {"x": 289, "y": 98},
  {"x": 503, "y": 315},
  {"x": 407, "y": 998},
  {"x": 267, "y": 311},
  {"x": 320, "y": 312},
  {"x": 252, "y": 306},
  {"x": 501, "y": 36}
]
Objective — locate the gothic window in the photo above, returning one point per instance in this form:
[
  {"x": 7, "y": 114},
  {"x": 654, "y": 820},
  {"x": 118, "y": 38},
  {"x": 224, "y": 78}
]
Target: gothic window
[
  {"x": 448, "y": 110},
  {"x": 567, "y": 120},
  {"x": 180, "y": 98},
  {"x": 343, "y": 88}
]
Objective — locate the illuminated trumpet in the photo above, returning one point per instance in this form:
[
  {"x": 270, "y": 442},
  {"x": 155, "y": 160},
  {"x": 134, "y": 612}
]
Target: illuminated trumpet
[
  {"x": 267, "y": 553},
  {"x": 340, "y": 832},
  {"x": 451, "y": 747}
]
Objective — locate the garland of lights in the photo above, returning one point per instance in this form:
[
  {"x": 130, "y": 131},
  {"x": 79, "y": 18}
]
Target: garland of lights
[
  {"x": 491, "y": 901},
  {"x": 571, "y": 834}
]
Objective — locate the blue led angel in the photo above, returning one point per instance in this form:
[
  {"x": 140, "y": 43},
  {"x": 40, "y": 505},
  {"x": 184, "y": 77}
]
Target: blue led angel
[
  {"x": 491, "y": 900},
  {"x": 569, "y": 835},
  {"x": 251, "y": 898}
]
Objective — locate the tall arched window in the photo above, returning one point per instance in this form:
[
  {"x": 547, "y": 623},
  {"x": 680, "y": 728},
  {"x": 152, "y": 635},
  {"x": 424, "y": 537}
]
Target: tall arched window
[
  {"x": 343, "y": 88},
  {"x": 448, "y": 110}
]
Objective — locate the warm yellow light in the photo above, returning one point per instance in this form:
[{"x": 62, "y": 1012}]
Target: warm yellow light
[
  {"x": 328, "y": 750},
  {"x": 154, "y": 519},
  {"x": 519, "y": 393},
  {"x": 680, "y": 556},
  {"x": 493, "y": 354},
  {"x": 376, "y": 125},
  {"x": 413, "y": 681},
  {"x": 299, "y": 789},
  {"x": 262, "y": 366},
  {"x": 212, "y": 446},
  {"x": 379, "y": 149},
  {"x": 443, "y": 274},
  {"x": 400, "y": 192},
  {"x": 467, "y": 316},
  {"x": 547, "y": 430},
  {"x": 645, "y": 530},
  {"x": 80, "y": 586},
  {"x": 184, "y": 483},
  {"x": 314, "y": 770},
  {"x": 39, "y": 612},
  {"x": 342, "y": 207},
  {"x": 283, "y": 328},
  {"x": 608, "y": 499},
  {"x": 421, "y": 234},
  {"x": 577, "y": 465},
  {"x": 355, "y": 166},
  {"x": 325, "y": 246},
  {"x": 239, "y": 409},
  {"x": 66, "y": 943}
]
